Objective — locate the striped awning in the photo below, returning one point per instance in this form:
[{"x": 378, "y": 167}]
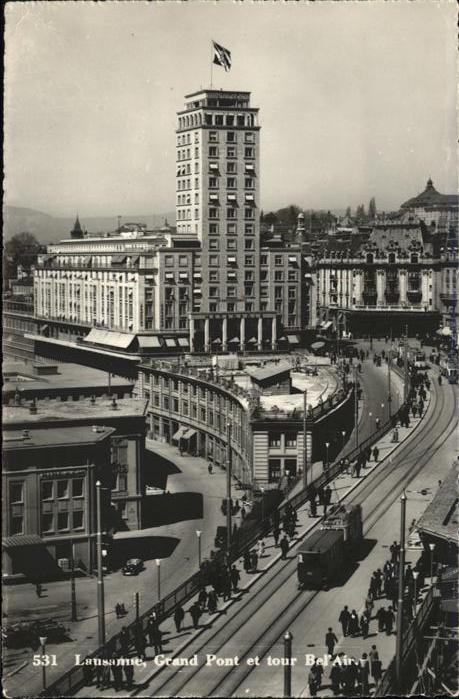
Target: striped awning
[
  {"x": 170, "y": 342},
  {"x": 179, "y": 434},
  {"x": 10, "y": 542},
  {"x": 188, "y": 434},
  {"x": 293, "y": 339}
]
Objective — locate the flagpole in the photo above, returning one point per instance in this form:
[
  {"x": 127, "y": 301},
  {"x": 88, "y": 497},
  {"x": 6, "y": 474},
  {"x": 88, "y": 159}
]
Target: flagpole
[{"x": 211, "y": 63}]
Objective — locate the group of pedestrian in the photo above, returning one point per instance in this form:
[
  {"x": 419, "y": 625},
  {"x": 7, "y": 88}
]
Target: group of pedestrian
[
  {"x": 110, "y": 674},
  {"x": 250, "y": 561},
  {"x": 120, "y": 610},
  {"x": 322, "y": 497},
  {"x": 348, "y": 676}
]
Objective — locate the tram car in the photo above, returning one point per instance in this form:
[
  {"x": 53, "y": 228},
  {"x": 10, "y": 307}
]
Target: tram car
[{"x": 324, "y": 555}]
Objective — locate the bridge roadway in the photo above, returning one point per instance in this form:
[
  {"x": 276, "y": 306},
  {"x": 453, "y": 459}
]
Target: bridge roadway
[{"x": 256, "y": 624}]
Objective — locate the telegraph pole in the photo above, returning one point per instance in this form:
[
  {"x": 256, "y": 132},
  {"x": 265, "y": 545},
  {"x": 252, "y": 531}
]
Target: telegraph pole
[
  {"x": 389, "y": 368},
  {"x": 288, "y": 664},
  {"x": 100, "y": 572},
  {"x": 405, "y": 365},
  {"x": 356, "y": 408},
  {"x": 401, "y": 588},
  {"x": 228, "y": 488},
  {"x": 305, "y": 445}
]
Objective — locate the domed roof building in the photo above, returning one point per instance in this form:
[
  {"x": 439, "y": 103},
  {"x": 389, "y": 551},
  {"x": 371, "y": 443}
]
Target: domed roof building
[{"x": 440, "y": 211}]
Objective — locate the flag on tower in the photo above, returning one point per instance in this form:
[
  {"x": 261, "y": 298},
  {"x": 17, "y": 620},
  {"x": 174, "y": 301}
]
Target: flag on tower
[{"x": 222, "y": 57}]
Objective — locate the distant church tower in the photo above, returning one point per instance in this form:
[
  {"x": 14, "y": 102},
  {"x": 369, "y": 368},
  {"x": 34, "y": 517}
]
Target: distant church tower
[
  {"x": 300, "y": 231},
  {"x": 77, "y": 231}
]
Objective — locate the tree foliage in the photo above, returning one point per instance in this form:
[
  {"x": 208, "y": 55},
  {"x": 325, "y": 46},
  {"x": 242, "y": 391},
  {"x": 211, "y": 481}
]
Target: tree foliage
[{"x": 22, "y": 249}]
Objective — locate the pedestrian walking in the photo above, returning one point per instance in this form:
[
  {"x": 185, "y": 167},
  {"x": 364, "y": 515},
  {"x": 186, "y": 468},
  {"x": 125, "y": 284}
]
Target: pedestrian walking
[
  {"x": 179, "y": 616},
  {"x": 117, "y": 672},
  {"x": 117, "y": 610},
  {"x": 390, "y": 621},
  {"x": 284, "y": 547},
  {"x": 312, "y": 683},
  {"x": 364, "y": 675},
  {"x": 364, "y": 624},
  {"x": 99, "y": 671},
  {"x": 344, "y": 619},
  {"x": 124, "y": 641},
  {"x": 353, "y": 623},
  {"x": 409, "y": 575},
  {"x": 276, "y": 535},
  {"x": 246, "y": 560},
  {"x": 195, "y": 613},
  {"x": 261, "y": 548},
  {"x": 212, "y": 602},
  {"x": 381, "y": 618},
  {"x": 369, "y": 605},
  {"x": 106, "y": 673},
  {"x": 150, "y": 629},
  {"x": 226, "y": 587},
  {"x": 313, "y": 507},
  {"x": 375, "y": 664},
  {"x": 394, "y": 552},
  {"x": 235, "y": 577},
  {"x": 376, "y": 453},
  {"x": 318, "y": 671},
  {"x": 210, "y": 468},
  {"x": 330, "y": 641},
  {"x": 335, "y": 679},
  {"x": 157, "y": 640},
  {"x": 38, "y": 589},
  {"x": 87, "y": 675},
  {"x": 202, "y": 598},
  {"x": 379, "y": 581},
  {"x": 357, "y": 467},
  {"x": 129, "y": 675},
  {"x": 377, "y": 422},
  {"x": 253, "y": 561},
  {"x": 140, "y": 644},
  {"x": 439, "y": 380}
]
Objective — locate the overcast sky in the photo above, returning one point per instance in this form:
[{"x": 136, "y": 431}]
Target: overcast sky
[{"x": 357, "y": 99}]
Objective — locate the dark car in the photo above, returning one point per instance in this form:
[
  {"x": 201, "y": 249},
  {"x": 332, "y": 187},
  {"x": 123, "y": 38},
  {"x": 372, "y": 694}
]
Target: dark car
[{"x": 133, "y": 566}]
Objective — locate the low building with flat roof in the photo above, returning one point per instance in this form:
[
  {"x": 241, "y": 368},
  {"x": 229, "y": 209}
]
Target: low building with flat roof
[
  {"x": 49, "y": 492},
  {"x": 128, "y": 458}
]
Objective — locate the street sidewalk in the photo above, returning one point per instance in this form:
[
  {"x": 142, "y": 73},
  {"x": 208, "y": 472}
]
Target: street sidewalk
[{"x": 343, "y": 486}]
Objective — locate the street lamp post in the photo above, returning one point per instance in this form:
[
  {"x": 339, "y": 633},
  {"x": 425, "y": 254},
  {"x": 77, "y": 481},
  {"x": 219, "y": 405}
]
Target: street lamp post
[
  {"x": 288, "y": 664},
  {"x": 327, "y": 444},
  {"x": 198, "y": 534},
  {"x": 43, "y": 640},
  {"x": 343, "y": 434},
  {"x": 431, "y": 547},
  {"x": 305, "y": 444},
  {"x": 229, "y": 465},
  {"x": 100, "y": 571},
  {"x": 356, "y": 408},
  {"x": 382, "y": 412},
  {"x": 401, "y": 588},
  {"x": 158, "y": 568},
  {"x": 73, "y": 602},
  {"x": 262, "y": 504}
]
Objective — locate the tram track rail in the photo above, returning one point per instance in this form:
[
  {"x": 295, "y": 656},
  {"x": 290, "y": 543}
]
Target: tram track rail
[{"x": 231, "y": 678}]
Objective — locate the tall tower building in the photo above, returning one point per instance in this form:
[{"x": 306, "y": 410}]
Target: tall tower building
[{"x": 218, "y": 200}]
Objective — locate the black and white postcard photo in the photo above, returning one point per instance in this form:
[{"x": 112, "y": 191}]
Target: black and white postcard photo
[{"x": 230, "y": 349}]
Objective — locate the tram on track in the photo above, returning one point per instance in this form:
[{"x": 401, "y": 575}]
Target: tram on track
[{"x": 325, "y": 553}]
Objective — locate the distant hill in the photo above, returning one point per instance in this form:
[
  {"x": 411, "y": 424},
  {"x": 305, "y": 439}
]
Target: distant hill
[{"x": 49, "y": 229}]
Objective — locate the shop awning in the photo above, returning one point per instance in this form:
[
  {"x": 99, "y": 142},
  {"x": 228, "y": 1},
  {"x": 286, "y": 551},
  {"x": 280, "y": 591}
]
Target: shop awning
[
  {"x": 249, "y": 167},
  {"x": 148, "y": 341},
  {"x": 217, "y": 341},
  {"x": 326, "y": 324},
  {"x": 234, "y": 340},
  {"x": 179, "y": 434},
  {"x": 188, "y": 434},
  {"x": 317, "y": 345},
  {"x": 109, "y": 338},
  {"x": 11, "y": 542},
  {"x": 293, "y": 339},
  {"x": 170, "y": 342},
  {"x": 183, "y": 342},
  {"x": 213, "y": 166},
  {"x": 231, "y": 197},
  {"x": 118, "y": 259},
  {"x": 253, "y": 340},
  {"x": 292, "y": 259},
  {"x": 282, "y": 339},
  {"x": 232, "y": 260}
]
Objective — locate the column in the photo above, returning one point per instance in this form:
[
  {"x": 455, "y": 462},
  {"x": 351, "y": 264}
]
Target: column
[
  {"x": 358, "y": 287},
  {"x": 402, "y": 285},
  {"x": 274, "y": 333},
  {"x": 242, "y": 334},
  {"x": 225, "y": 335},
  {"x": 206, "y": 335},
  {"x": 191, "y": 334},
  {"x": 380, "y": 287},
  {"x": 260, "y": 334},
  {"x": 425, "y": 288}
]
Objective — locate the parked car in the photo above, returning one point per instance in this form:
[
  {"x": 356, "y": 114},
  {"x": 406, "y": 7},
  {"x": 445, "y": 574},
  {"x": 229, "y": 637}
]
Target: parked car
[{"x": 133, "y": 566}]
